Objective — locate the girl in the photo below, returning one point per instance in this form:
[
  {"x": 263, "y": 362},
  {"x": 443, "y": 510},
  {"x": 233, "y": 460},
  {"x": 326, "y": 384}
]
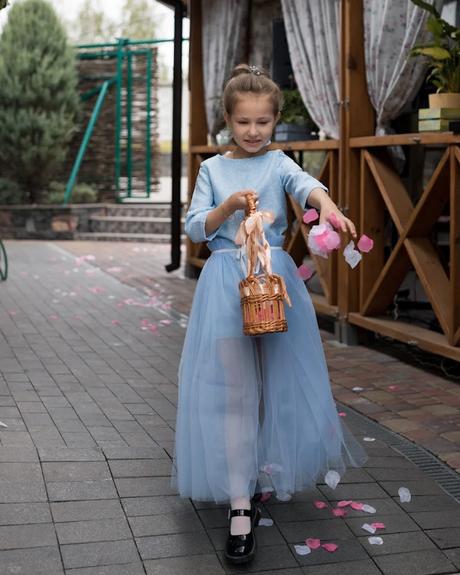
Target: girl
[{"x": 253, "y": 411}]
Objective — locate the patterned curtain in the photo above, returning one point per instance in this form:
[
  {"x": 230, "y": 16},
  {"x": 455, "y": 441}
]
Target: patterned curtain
[
  {"x": 313, "y": 32},
  {"x": 224, "y": 46},
  {"x": 391, "y": 29}
]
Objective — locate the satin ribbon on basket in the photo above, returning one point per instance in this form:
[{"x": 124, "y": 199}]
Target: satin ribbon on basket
[{"x": 251, "y": 237}]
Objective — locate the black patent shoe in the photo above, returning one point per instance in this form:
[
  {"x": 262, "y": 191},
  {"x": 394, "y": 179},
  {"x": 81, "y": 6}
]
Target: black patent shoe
[{"x": 242, "y": 548}]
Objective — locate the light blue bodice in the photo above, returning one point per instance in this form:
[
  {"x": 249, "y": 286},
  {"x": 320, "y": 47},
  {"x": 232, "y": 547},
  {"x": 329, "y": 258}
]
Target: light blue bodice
[{"x": 270, "y": 175}]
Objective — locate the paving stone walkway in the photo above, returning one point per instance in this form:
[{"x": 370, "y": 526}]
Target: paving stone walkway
[{"x": 90, "y": 338}]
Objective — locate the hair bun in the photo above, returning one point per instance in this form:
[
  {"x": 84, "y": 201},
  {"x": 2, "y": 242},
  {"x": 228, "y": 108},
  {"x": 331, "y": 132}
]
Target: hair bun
[{"x": 246, "y": 69}]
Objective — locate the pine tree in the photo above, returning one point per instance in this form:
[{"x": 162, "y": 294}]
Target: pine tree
[{"x": 38, "y": 96}]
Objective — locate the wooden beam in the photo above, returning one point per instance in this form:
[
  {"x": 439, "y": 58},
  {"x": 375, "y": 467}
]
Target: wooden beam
[
  {"x": 405, "y": 139},
  {"x": 356, "y": 119},
  {"x": 409, "y": 333},
  {"x": 455, "y": 245}
]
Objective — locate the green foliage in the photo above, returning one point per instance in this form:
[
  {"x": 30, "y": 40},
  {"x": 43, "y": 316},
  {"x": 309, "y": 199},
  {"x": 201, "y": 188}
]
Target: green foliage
[
  {"x": 443, "y": 51},
  {"x": 139, "y": 22},
  {"x": 293, "y": 110},
  {"x": 38, "y": 96},
  {"x": 81, "y": 194},
  {"x": 10, "y": 192}
]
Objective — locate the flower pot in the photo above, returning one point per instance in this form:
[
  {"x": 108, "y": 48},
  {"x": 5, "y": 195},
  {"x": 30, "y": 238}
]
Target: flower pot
[
  {"x": 441, "y": 100},
  {"x": 291, "y": 132}
]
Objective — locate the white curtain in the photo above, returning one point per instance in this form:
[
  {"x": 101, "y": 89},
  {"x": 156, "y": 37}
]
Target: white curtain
[
  {"x": 391, "y": 29},
  {"x": 224, "y": 46},
  {"x": 313, "y": 32}
]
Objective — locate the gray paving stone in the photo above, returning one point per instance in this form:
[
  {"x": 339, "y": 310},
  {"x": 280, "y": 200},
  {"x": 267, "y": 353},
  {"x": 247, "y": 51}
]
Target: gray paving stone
[
  {"x": 428, "y": 503},
  {"x": 22, "y": 491},
  {"x": 357, "y": 491},
  {"x": 454, "y": 556},
  {"x": 393, "y": 523},
  {"x": 91, "y": 531},
  {"x": 298, "y": 531},
  {"x": 35, "y": 561},
  {"x": 80, "y": 490},
  {"x": 349, "y": 550},
  {"x": 419, "y": 487},
  {"x": 24, "y": 513},
  {"x": 125, "y": 569},
  {"x": 165, "y": 524},
  {"x": 86, "y": 510},
  {"x": 150, "y": 452},
  {"x": 95, "y": 554},
  {"x": 401, "y": 474},
  {"x": 272, "y": 558},
  {"x": 70, "y": 454},
  {"x": 364, "y": 567},
  {"x": 196, "y": 565},
  {"x": 144, "y": 486},
  {"x": 398, "y": 543},
  {"x": 173, "y": 545},
  {"x": 445, "y": 538},
  {"x": 438, "y": 519},
  {"x": 76, "y": 471},
  {"x": 141, "y": 467},
  {"x": 18, "y": 454},
  {"x": 155, "y": 505},
  {"x": 212, "y": 518},
  {"x": 432, "y": 562},
  {"x": 19, "y": 471},
  {"x": 24, "y": 536}
]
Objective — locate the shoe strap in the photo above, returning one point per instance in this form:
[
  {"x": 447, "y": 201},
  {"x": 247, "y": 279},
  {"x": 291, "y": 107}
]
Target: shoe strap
[{"x": 240, "y": 513}]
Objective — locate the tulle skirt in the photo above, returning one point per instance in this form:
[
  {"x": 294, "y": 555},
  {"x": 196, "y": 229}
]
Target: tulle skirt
[{"x": 254, "y": 412}]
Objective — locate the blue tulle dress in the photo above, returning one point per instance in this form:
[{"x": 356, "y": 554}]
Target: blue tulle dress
[{"x": 253, "y": 411}]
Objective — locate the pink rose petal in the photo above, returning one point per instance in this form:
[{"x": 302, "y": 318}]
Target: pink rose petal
[
  {"x": 313, "y": 543},
  {"x": 344, "y": 503},
  {"x": 334, "y": 221},
  {"x": 339, "y": 512},
  {"x": 331, "y": 547},
  {"x": 319, "y": 504},
  {"x": 365, "y": 244},
  {"x": 304, "y": 272},
  {"x": 265, "y": 496},
  {"x": 356, "y": 505},
  {"x": 393, "y": 387},
  {"x": 378, "y": 525},
  {"x": 310, "y": 216},
  {"x": 342, "y": 414}
]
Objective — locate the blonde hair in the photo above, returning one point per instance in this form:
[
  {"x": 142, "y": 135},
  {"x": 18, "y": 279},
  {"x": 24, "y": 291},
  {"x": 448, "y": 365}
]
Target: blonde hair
[{"x": 254, "y": 80}]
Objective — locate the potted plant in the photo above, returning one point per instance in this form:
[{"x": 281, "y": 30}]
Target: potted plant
[
  {"x": 443, "y": 53},
  {"x": 295, "y": 121}
]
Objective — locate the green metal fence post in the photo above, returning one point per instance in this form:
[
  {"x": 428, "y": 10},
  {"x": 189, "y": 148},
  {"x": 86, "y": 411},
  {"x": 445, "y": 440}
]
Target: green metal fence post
[
  {"x": 86, "y": 139},
  {"x": 148, "y": 143},
  {"x": 129, "y": 105},
  {"x": 118, "y": 111}
]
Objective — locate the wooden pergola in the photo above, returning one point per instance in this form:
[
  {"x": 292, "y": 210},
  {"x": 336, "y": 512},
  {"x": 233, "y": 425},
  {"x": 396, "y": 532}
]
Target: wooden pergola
[{"x": 361, "y": 178}]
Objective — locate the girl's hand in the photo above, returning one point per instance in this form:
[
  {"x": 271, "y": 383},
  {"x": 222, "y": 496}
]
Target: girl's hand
[
  {"x": 345, "y": 223},
  {"x": 237, "y": 201}
]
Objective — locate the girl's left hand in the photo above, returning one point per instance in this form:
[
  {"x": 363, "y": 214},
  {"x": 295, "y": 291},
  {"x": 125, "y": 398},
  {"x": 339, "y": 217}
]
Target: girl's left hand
[{"x": 345, "y": 223}]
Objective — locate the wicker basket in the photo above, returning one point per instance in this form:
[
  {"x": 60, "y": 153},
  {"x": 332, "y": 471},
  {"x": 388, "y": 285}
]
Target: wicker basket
[{"x": 262, "y": 295}]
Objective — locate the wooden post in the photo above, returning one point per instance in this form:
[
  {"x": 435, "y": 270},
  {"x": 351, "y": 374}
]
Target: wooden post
[
  {"x": 356, "y": 119},
  {"x": 198, "y": 130}
]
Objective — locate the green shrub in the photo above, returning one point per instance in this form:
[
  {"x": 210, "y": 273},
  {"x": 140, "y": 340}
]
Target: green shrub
[
  {"x": 81, "y": 194},
  {"x": 38, "y": 96},
  {"x": 10, "y": 192}
]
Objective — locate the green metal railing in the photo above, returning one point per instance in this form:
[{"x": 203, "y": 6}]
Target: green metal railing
[
  {"x": 3, "y": 262},
  {"x": 124, "y": 53}
]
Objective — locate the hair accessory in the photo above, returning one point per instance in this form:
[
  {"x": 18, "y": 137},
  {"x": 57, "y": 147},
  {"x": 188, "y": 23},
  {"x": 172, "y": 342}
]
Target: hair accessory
[{"x": 254, "y": 70}]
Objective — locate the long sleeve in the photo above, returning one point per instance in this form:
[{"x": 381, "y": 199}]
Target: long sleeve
[
  {"x": 202, "y": 203},
  {"x": 296, "y": 181}
]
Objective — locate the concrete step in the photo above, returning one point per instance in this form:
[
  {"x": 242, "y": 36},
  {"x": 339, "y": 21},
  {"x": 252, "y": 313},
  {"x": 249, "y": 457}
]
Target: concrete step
[
  {"x": 125, "y": 237},
  {"x": 130, "y": 224},
  {"x": 139, "y": 210}
]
